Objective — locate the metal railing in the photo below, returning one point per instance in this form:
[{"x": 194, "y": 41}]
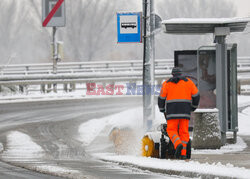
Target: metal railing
[
  {"x": 99, "y": 66},
  {"x": 82, "y": 67},
  {"x": 70, "y": 74}
]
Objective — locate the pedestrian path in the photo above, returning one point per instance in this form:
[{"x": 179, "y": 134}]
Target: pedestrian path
[{"x": 238, "y": 159}]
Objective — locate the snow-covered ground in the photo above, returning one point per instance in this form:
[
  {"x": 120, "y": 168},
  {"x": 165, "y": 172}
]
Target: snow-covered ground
[
  {"x": 132, "y": 119},
  {"x": 182, "y": 166},
  {"x": 20, "y": 145}
]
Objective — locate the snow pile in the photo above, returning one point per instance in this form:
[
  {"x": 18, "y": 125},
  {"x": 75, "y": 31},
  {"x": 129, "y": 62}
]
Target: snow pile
[
  {"x": 165, "y": 166},
  {"x": 57, "y": 171},
  {"x": 131, "y": 119},
  {"x": 21, "y": 146},
  {"x": 93, "y": 129},
  {"x": 90, "y": 130},
  {"x": 215, "y": 110}
]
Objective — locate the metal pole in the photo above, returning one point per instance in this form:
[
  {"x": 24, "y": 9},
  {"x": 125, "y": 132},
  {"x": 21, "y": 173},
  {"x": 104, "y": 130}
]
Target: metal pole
[
  {"x": 221, "y": 85},
  {"x": 148, "y": 64},
  {"x": 55, "y": 55}
]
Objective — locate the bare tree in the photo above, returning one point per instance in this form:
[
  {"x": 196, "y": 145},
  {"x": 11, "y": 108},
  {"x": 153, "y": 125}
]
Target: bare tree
[
  {"x": 8, "y": 30},
  {"x": 22, "y": 37},
  {"x": 91, "y": 29}
]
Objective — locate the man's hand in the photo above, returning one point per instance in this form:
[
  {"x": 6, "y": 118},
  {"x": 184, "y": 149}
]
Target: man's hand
[
  {"x": 193, "y": 109},
  {"x": 162, "y": 110}
]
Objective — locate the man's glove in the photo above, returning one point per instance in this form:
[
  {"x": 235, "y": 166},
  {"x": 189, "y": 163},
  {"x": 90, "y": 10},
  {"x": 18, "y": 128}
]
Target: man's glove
[
  {"x": 162, "y": 110},
  {"x": 193, "y": 109}
]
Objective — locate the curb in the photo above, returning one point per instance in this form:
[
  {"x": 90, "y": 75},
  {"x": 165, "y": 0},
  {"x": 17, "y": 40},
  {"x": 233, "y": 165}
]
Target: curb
[{"x": 170, "y": 172}]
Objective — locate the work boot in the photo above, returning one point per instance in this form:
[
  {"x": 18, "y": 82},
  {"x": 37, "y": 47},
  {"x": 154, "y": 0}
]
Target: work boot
[
  {"x": 183, "y": 157},
  {"x": 178, "y": 151}
]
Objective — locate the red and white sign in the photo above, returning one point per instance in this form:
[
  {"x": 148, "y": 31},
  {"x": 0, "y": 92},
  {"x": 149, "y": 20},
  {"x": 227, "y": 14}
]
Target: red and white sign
[{"x": 53, "y": 13}]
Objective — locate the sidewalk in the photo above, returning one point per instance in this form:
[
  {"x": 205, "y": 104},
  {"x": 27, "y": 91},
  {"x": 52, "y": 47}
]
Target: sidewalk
[
  {"x": 238, "y": 159},
  {"x": 227, "y": 162}
]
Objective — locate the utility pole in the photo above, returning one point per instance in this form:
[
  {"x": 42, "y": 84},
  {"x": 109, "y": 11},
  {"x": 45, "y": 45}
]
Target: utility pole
[
  {"x": 148, "y": 63},
  {"x": 55, "y": 56},
  {"x": 55, "y": 53}
]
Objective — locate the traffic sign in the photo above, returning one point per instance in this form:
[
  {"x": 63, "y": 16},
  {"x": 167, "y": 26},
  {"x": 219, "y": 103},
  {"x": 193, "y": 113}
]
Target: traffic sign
[
  {"x": 53, "y": 13},
  {"x": 129, "y": 27}
]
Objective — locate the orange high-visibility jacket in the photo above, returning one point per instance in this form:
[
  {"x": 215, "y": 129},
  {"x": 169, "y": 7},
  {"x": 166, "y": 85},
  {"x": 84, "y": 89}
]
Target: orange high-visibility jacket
[{"x": 178, "y": 98}]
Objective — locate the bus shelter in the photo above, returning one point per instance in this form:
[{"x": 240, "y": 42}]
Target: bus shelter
[{"x": 224, "y": 57}]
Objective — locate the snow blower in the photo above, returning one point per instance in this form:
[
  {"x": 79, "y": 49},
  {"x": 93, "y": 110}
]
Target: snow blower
[{"x": 157, "y": 144}]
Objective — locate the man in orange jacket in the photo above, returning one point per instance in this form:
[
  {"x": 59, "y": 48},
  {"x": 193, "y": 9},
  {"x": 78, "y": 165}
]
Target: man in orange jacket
[{"x": 179, "y": 96}]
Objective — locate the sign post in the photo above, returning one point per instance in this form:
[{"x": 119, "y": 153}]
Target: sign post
[
  {"x": 54, "y": 49},
  {"x": 53, "y": 15},
  {"x": 148, "y": 63},
  {"x": 129, "y": 27}
]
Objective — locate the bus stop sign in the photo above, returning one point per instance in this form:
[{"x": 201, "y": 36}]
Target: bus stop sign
[
  {"x": 53, "y": 13},
  {"x": 129, "y": 27}
]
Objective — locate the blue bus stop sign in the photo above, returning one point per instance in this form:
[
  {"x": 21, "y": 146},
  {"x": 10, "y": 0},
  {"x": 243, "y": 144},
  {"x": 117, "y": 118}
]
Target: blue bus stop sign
[{"x": 129, "y": 27}]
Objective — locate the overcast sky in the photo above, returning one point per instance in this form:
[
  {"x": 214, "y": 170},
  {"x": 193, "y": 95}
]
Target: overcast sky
[{"x": 243, "y": 7}]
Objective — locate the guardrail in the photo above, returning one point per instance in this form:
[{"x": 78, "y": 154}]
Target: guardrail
[
  {"x": 21, "y": 77},
  {"x": 102, "y": 66},
  {"x": 82, "y": 67}
]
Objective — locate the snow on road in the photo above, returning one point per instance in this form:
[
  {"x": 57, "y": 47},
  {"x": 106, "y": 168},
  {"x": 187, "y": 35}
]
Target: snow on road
[
  {"x": 57, "y": 171},
  {"x": 21, "y": 148},
  {"x": 20, "y": 145}
]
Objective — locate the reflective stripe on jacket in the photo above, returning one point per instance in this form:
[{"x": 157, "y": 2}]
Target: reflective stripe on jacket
[{"x": 178, "y": 99}]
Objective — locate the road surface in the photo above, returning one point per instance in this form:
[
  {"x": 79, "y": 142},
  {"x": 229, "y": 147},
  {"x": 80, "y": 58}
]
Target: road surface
[{"x": 54, "y": 126}]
